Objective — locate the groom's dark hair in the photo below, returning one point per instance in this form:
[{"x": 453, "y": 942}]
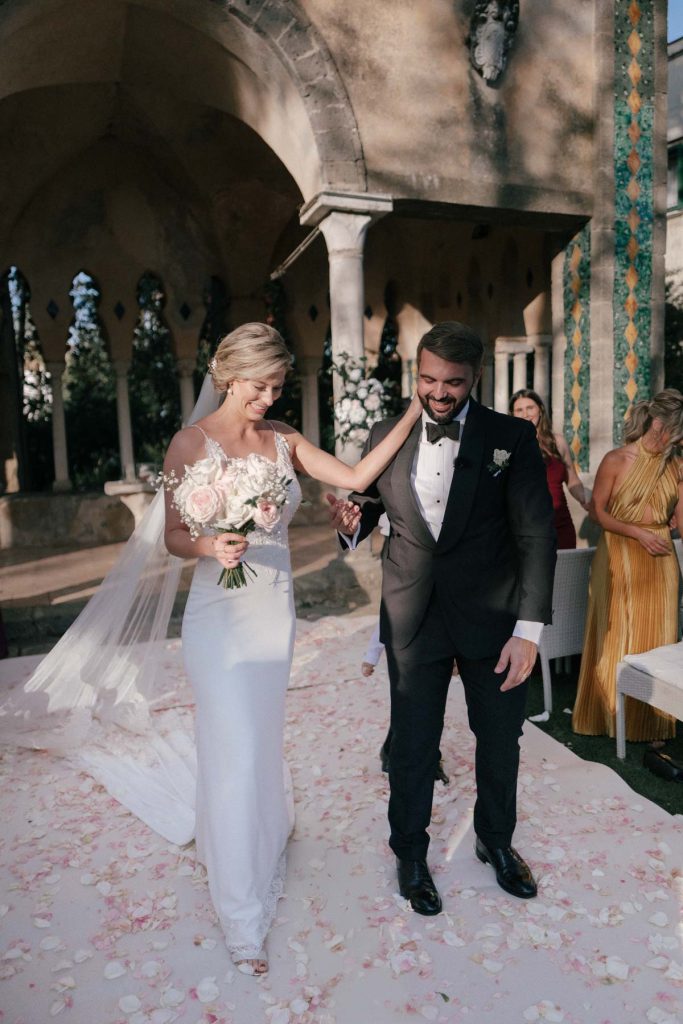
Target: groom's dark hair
[{"x": 454, "y": 342}]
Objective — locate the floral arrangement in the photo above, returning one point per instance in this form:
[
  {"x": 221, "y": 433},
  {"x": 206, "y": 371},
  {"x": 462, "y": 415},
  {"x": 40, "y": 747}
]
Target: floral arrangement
[
  {"x": 237, "y": 497},
  {"x": 363, "y": 403}
]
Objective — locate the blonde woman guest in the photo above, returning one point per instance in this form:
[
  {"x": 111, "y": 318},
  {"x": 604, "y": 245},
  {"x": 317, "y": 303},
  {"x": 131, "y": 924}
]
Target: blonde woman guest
[
  {"x": 237, "y": 644},
  {"x": 559, "y": 465},
  {"x": 633, "y": 602}
]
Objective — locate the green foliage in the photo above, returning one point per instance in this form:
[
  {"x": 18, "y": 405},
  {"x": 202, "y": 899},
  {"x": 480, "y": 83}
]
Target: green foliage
[
  {"x": 325, "y": 395},
  {"x": 389, "y": 368},
  {"x": 89, "y": 394},
  {"x": 152, "y": 379},
  {"x": 673, "y": 334},
  {"x": 288, "y": 407}
]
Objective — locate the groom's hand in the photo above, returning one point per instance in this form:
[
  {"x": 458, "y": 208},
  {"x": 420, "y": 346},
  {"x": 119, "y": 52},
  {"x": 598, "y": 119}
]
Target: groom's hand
[
  {"x": 344, "y": 515},
  {"x": 520, "y": 656}
]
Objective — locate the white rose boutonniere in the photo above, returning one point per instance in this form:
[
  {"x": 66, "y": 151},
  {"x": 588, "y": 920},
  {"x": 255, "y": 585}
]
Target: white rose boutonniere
[{"x": 500, "y": 461}]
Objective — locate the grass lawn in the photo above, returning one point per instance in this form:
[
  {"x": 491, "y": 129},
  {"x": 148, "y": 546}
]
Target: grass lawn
[{"x": 668, "y": 794}]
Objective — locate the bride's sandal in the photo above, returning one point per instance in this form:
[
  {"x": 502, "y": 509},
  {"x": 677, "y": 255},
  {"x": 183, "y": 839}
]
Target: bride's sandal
[{"x": 256, "y": 966}]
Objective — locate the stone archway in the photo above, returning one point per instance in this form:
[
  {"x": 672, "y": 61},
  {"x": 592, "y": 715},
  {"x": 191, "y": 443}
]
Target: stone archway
[{"x": 107, "y": 125}]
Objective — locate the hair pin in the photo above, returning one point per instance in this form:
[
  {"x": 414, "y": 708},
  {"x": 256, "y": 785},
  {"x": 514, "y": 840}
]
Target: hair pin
[{"x": 213, "y": 365}]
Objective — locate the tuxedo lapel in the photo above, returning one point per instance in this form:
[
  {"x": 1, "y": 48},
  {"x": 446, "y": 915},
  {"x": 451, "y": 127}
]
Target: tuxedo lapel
[
  {"x": 403, "y": 493},
  {"x": 465, "y": 476}
]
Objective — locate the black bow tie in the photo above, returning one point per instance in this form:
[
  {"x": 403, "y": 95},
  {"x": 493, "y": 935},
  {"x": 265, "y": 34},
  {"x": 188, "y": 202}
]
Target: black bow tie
[{"x": 435, "y": 431}]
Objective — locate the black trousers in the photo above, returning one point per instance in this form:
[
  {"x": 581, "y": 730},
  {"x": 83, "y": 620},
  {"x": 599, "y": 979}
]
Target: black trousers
[{"x": 419, "y": 677}]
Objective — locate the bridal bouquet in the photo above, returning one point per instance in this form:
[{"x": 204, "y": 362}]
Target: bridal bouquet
[{"x": 244, "y": 495}]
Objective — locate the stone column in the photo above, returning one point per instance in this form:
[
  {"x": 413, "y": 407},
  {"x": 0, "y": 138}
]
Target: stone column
[
  {"x": 518, "y": 371},
  {"x": 487, "y": 377},
  {"x": 559, "y": 342},
  {"x": 541, "y": 346},
  {"x": 62, "y": 481},
  {"x": 310, "y": 413},
  {"x": 343, "y": 219},
  {"x": 345, "y": 237},
  {"x": 602, "y": 238},
  {"x": 121, "y": 367},
  {"x": 501, "y": 394},
  {"x": 186, "y": 381}
]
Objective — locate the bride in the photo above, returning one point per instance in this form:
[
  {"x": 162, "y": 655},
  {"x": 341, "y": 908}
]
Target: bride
[
  {"x": 93, "y": 696},
  {"x": 237, "y": 644}
]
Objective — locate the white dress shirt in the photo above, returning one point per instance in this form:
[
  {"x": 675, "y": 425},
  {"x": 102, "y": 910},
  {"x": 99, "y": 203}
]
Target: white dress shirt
[{"x": 430, "y": 478}]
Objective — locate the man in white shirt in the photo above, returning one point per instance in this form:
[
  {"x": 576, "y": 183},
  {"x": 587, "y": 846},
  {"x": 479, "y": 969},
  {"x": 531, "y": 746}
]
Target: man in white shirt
[{"x": 467, "y": 574}]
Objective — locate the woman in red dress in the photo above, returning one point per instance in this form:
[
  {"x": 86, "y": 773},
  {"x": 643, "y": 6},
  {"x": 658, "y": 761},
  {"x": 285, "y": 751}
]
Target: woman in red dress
[{"x": 559, "y": 465}]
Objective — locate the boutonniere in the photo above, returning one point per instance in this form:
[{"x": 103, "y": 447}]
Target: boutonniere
[{"x": 500, "y": 461}]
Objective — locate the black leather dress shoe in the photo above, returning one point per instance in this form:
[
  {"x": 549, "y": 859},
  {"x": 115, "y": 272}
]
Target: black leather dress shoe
[
  {"x": 415, "y": 884},
  {"x": 512, "y": 873},
  {"x": 384, "y": 758},
  {"x": 663, "y": 765}
]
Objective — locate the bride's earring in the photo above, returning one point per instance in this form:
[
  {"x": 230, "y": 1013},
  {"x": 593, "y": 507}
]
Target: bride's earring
[{"x": 230, "y": 390}]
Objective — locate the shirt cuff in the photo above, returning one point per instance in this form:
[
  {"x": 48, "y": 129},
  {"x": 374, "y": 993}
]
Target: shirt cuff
[
  {"x": 351, "y": 542},
  {"x": 526, "y": 630}
]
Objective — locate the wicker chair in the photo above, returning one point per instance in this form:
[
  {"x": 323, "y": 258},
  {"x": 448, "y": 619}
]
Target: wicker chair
[{"x": 570, "y": 601}]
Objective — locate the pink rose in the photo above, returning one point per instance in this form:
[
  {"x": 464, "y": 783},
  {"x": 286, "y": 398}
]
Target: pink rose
[
  {"x": 202, "y": 504},
  {"x": 266, "y": 515}
]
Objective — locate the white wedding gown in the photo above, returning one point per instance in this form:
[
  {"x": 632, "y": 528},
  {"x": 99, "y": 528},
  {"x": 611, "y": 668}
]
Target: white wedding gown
[
  {"x": 103, "y": 698},
  {"x": 237, "y": 649}
]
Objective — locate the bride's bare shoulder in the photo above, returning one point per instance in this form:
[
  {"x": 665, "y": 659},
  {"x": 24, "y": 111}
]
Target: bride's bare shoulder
[{"x": 187, "y": 444}]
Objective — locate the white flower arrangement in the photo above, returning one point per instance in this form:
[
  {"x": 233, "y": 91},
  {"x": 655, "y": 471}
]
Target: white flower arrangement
[
  {"x": 362, "y": 405},
  {"x": 237, "y": 497}
]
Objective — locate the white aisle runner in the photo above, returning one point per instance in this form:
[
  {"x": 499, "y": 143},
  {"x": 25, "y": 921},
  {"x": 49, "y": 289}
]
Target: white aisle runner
[{"x": 103, "y": 922}]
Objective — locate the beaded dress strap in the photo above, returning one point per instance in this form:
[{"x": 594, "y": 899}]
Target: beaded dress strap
[{"x": 211, "y": 445}]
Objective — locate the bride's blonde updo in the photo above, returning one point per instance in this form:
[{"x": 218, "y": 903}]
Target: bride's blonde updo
[{"x": 251, "y": 352}]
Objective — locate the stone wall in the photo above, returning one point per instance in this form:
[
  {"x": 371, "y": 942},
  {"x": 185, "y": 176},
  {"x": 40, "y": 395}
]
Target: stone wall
[{"x": 62, "y": 520}]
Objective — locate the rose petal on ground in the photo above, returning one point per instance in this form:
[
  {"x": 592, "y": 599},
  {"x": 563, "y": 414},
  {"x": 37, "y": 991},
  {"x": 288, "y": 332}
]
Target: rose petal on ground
[
  {"x": 129, "y": 1004},
  {"x": 114, "y": 969},
  {"x": 660, "y": 920},
  {"x": 172, "y": 997},
  {"x": 207, "y": 990}
]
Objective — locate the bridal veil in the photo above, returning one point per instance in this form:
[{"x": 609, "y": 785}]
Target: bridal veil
[{"x": 91, "y": 698}]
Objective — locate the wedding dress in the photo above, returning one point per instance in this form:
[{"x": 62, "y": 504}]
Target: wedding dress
[
  {"x": 237, "y": 648},
  {"x": 93, "y": 699}
]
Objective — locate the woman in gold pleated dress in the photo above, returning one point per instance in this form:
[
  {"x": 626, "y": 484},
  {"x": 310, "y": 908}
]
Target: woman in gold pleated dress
[{"x": 633, "y": 597}]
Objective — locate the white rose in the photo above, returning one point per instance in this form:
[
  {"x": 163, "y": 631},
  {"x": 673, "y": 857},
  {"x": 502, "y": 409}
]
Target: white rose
[
  {"x": 362, "y": 393},
  {"x": 373, "y": 402},
  {"x": 340, "y": 413},
  {"x": 204, "y": 471},
  {"x": 235, "y": 514},
  {"x": 355, "y": 374},
  {"x": 357, "y": 415},
  {"x": 258, "y": 472}
]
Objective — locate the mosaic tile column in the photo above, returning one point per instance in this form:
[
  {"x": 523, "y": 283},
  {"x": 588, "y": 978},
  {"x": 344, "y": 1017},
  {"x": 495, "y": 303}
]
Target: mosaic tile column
[
  {"x": 634, "y": 212},
  {"x": 578, "y": 352}
]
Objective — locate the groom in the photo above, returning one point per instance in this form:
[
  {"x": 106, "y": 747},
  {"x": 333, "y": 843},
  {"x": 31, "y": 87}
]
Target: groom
[{"x": 467, "y": 574}]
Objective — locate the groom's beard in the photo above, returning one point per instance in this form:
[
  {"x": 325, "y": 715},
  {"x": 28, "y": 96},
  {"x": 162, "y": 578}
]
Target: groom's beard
[{"x": 443, "y": 412}]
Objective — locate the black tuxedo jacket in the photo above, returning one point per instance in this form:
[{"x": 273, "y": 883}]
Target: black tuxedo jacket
[{"x": 494, "y": 560}]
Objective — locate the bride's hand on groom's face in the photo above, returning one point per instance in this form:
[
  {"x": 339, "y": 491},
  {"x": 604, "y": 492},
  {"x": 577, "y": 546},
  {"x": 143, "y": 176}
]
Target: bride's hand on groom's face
[
  {"x": 344, "y": 515},
  {"x": 229, "y": 549}
]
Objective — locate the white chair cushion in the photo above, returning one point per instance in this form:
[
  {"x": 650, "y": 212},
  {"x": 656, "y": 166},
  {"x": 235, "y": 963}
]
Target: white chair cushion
[{"x": 665, "y": 663}]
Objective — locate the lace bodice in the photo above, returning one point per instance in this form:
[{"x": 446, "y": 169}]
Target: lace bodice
[{"x": 267, "y": 550}]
